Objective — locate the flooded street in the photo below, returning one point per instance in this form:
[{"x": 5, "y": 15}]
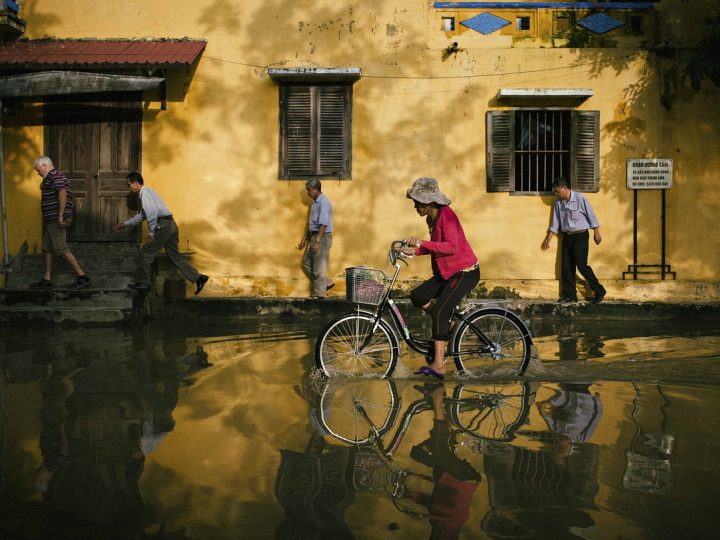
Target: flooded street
[{"x": 224, "y": 431}]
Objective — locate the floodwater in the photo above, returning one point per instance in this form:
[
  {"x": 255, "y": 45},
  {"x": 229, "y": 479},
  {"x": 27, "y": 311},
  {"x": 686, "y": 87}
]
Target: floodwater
[{"x": 225, "y": 432}]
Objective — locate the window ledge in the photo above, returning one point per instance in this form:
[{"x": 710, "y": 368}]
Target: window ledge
[
  {"x": 304, "y": 74},
  {"x": 545, "y": 93}
]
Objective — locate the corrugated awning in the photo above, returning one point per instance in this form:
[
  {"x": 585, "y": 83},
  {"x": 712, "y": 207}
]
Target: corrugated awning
[{"x": 95, "y": 54}]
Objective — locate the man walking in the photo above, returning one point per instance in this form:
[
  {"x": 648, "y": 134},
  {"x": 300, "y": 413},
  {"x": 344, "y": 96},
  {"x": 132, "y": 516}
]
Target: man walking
[
  {"x": 573, "y": 216},
  {"x": 317, "y": 240},
  {"x": 56, "y": 204},
  {"x": 162, "y": 233}
]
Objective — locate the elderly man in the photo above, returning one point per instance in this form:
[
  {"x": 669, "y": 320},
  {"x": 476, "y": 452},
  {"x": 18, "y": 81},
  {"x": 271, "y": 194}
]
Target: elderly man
[
  {"x": 56, "y": 204},
  {"x": 317, "y": 240},
  {"x": 162, "y": 233},
  {"x": 573, "y": 216}
]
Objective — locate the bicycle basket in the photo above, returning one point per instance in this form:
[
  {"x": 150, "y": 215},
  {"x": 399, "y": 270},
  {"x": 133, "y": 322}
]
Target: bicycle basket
[{"x": 364, "y": 285}]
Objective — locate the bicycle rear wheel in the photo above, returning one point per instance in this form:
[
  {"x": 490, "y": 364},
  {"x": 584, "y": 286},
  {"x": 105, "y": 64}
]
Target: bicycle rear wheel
[
  {"x": 491, "y": 412},
  {"x": 352, "y": 411},
  {"x": 339, "y": 349},
  {"x": 509, "y": 348}
]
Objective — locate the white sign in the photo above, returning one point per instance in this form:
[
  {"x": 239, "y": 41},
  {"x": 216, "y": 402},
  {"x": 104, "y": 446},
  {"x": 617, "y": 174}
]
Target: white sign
[{"x": 649, "y": 173}]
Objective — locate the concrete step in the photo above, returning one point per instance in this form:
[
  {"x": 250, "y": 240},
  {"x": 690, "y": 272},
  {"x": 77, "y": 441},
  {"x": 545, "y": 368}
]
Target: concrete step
[
  {"x": 16, "y": 299},
  {"x": 84, "y": 306},
  {"x": 101, "y": 279},
  {"x": 89, "y": 263},
  {"x": 58, "y": 315}
]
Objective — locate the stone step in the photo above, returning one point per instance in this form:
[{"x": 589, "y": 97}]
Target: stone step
[
  {"x": 57, "y": 315},
  {"x": 101, "y": 279},
  {"x": 94, "y": 263},
  {"x": 14, "y": 298}
]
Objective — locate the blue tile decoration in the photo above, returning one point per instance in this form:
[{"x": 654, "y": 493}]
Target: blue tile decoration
[
  {"x": 600, "y": 23},
  {"x": 485, "y": 23}
]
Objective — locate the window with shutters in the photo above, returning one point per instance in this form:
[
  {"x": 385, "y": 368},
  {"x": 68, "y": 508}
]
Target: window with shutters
[
  {"x": 528, "y": 148},
  {"x": 315, "y": 131}
]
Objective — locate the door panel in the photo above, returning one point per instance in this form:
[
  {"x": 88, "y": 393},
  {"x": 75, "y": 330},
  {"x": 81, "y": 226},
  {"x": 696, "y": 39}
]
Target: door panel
[{"x": 96, "y": 144}]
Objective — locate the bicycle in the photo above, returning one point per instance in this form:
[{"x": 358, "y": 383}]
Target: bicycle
[
  {"x": 364, "y": 343},
  {"x": 364, "y": 411}
]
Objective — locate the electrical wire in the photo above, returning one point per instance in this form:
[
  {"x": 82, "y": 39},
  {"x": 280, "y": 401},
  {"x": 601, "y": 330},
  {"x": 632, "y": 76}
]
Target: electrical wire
[{"x": 441, "y": 77}]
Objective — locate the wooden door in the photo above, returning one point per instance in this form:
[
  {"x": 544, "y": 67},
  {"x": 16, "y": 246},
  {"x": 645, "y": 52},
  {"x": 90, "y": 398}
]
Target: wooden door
[{"x": 96, "y": 144}]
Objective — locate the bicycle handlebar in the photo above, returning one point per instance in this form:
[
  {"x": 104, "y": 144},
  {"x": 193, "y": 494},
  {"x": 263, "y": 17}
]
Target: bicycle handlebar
[{"x": 394, "y": 246}]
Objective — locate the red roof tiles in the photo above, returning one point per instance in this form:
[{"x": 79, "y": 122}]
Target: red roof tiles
[{"x": 99, "y": 53}]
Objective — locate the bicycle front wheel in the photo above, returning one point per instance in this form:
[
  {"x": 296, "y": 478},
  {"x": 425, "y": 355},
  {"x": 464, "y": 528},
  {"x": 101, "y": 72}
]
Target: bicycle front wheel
[
  {"x": 357, "y": 411},
  {"x": 492, "y": 339},
  {"x": 343, "y": 347}
]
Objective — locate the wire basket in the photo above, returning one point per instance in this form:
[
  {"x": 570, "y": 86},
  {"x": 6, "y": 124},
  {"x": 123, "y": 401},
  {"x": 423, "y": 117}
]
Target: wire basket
[{"x": 364, "y": 285}]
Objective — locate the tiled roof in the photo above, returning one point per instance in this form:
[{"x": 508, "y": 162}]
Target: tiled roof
[{"x": 46, "y": 54}]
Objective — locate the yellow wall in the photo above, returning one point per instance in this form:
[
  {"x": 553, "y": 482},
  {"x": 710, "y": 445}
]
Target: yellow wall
[{"x": 214, "y": 155}]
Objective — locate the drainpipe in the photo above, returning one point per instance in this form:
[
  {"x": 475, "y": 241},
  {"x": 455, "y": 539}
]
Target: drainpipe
[{"x": 6, "y": 266}]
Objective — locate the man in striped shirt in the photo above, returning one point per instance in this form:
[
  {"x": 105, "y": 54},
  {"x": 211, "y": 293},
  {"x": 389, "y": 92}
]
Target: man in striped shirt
[{"x": 56, "y": 204}]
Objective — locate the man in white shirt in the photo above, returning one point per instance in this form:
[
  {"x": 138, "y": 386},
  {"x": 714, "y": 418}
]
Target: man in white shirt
[
  {"x": 574, "y": 218},
  {"x": 317, "y": 240},
  {"x": 162, "y": 233}
]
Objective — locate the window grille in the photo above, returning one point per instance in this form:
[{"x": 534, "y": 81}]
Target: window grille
[{"x": 542, "y": 149}]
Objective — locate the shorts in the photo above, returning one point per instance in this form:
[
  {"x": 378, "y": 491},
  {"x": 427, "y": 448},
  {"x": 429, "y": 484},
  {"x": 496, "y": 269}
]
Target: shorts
[{"x": 55, "y": 237}]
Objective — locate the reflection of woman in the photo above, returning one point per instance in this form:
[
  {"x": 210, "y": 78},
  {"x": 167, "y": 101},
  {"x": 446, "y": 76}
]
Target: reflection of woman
[
  {"x": 455, "y": 266},
  {"x": 455, "y": 480}
]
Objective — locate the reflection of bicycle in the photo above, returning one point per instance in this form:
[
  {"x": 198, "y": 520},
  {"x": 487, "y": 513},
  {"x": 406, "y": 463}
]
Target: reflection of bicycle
[
  {"x": 365, "y": 343},
  {"x": 364, "y": 411}
]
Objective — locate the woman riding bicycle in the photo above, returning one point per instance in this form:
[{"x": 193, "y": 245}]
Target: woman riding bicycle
[{"x": 455, "y": 266}]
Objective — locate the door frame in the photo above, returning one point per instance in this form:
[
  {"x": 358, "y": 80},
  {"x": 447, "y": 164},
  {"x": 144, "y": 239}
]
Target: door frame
[{"x": 93, "y": 177}]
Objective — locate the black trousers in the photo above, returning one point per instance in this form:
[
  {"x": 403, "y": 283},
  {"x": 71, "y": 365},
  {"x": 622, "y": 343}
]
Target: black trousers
[
  {"x": 448, "y": 293},
  {"x": 574, "y": 258}
]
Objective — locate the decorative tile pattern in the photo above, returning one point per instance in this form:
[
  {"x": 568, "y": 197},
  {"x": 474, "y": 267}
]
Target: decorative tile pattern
[
  {"x": 485, "y": 23},
  {"x": 600, "y": 23}
]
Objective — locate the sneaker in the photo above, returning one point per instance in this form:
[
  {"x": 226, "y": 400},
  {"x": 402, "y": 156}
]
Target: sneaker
[
  {"x": 42, "y": 284},
  {"x": 80, "y": 282},
  {"x": 599, "y": 297}
]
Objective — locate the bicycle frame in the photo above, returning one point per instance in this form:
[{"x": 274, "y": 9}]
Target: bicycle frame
[{"x": 388, "y": 304}]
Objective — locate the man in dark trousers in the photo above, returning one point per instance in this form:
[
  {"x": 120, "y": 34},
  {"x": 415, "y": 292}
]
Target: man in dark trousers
[
  {"x": 573, "y": 216},
  {"x": 162, "y": 233},
  {"x": 56, "y": 204}
]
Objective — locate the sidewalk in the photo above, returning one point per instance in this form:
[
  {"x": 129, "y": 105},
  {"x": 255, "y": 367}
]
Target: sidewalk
[
  {"x": 228, "y": 308},
  {"x": 109, "y": 307}
]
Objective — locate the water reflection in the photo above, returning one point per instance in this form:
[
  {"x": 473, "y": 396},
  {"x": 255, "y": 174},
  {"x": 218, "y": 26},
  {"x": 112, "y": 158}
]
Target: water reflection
[
  {"x": 100, "y": 419},
  {"x": 648, "y": 459},
  {"x": 131, "y": 433},
  {"x": 545, "y": 493}
]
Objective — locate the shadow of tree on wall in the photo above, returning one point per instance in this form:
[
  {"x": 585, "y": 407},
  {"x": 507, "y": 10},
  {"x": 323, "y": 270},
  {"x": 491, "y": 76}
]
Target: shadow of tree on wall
[
  {"x": 242, "y": 103},
  {"x": 661, "y": 105},
  {"x": 41, "y": 23}
]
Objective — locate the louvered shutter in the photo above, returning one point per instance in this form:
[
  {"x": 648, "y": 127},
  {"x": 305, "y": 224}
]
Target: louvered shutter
[
  {"x": 585, "y": 150},
  {"x": 332, "y": 141},
  {"x": 296, "y": 160},
  {"x": 500, "y": 146},
  {"x": 315, "y": 131}
]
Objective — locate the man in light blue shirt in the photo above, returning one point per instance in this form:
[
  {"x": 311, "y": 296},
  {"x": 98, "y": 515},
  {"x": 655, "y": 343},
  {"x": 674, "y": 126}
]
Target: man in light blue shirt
[
  {"x": 573, "y": 216},
  {"x": 162, "y": 233},
  {"x": 317, "y": 240}
]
